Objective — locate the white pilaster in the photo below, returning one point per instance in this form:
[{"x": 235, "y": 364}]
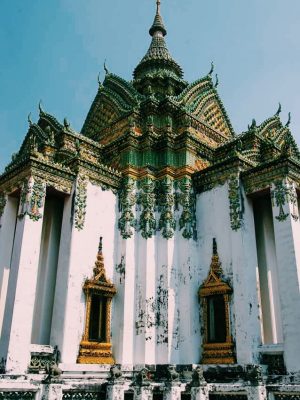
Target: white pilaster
[
  {"x": 173, "y": 393},
  {"x": 256, "y": 393},
  {"x": 287, "y": 240},
  {"x": 165, "y": 299},
  {"x": 123, "y": 318},
  {"x": 244, "y": 264},
  {"x": 115, "y": 392},
  {"x": 143, "y": 393},
  {"x": 17, "y": 324},
  {"x": 199, "y": 393},
  {"x": 7, "y": 232}
]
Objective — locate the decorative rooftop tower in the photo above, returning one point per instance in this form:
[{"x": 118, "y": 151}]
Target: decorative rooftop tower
[{"x": 159, "y": 173}]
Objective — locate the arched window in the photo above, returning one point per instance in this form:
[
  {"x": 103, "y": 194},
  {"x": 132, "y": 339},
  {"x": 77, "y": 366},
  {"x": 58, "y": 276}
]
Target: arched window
[
  {"x": 95, "y": 346},
  {"x": 214, "y": 295}
]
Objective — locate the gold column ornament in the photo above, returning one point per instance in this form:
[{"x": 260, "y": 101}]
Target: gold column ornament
[
  {"x": 214, "y": 294},
  {"x": 95, "y": 346}
]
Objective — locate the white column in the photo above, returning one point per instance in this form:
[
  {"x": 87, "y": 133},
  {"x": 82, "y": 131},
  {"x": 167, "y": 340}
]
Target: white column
[
  {"x": 165, "y": 307},
  {"x": 143, "y": 393},
  {"x": 7, "y": 233},
  {"x": 287, "y": 240},
  {"x": 115, "y": 392},
  {"x": 145, "y": 302},
  {"x": 18, "y": 317},
  {"x": 256, "y": 393},
  {"x": 199, "y": 393},
  {"x": 123, "y": 320},
  {"x": 267, "y": 272},
  {"x": 173, "y": 393},
  {"x": 188, "y": 283},
  {"x": 245, "y": 305},
  {"x": 47, "y": 271}
]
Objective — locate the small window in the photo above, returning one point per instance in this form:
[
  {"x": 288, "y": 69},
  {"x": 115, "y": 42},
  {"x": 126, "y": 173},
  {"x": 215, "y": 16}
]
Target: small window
[
  {"x": 97, "y": 329},
  {"x": 158, "y": 396},
  {"x": 128, "y": 395},
  {"x": 216, "y": 320}
]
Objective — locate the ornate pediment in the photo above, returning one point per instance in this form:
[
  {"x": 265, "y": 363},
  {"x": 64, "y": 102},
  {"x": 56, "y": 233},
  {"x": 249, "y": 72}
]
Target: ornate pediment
[
  {"x": 202, "y": 101},
  {"x": 115, "y": 99}
]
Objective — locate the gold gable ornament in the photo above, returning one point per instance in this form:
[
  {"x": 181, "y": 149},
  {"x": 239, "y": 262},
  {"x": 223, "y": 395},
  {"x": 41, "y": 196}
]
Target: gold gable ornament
[
  {"x": 214, "y": 293},
  {"x": 95, "y": 346}
]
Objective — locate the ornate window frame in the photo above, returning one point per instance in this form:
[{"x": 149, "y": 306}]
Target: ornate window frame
[
  {"x": 216, "y": 352},
  {"x": 90, "y": 351}
]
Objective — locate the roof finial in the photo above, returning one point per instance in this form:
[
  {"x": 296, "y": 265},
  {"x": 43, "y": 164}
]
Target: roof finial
[
  {"x": 289, "y": 120},
  {"x": 158, "y": 6},
  {"x": 279, "y": 109},
  {"x": 158, "y": 25},
  {"x": 29, "y": 119},
  {"x": 215, "y": 250},
  {"x": 100, "y": 245}
]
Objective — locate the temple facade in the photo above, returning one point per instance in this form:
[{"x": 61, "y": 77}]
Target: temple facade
[{"x": 155, "y": 254}]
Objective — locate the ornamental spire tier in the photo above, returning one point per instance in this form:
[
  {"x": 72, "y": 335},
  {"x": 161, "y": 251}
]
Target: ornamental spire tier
[{"x": 157, "y": 73}]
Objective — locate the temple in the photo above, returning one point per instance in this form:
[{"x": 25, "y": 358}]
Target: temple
[{"x": 155, "y": 254}]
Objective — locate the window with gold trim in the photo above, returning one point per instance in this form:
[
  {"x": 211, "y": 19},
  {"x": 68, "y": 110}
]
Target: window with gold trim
[
  {"x": 95, "y": 346},
  {"x": 214, "y": 295}
]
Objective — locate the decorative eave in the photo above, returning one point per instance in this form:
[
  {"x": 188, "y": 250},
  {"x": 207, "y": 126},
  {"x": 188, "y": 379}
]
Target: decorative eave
[
  {"x": 261, "y": 177},
  {"x": 218, "y": 174},
  {"x": 59, "y": 177}
]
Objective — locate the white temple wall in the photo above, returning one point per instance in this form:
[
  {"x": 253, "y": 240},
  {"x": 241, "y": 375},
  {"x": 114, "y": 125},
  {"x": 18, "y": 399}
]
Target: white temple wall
[
  {"x": 268, "y": 272},
  {"x": 237, "y": 254},
  {"x": 7, "y": 234},
  {"x": 187, "y": 315},
  {"x": 41, "y": 327},
  {"x": 287, "y": 241},
  {"x": 156, "y": 312},
  {"x": 246, "y": 305},
  {"x": 78, "y": 252}
]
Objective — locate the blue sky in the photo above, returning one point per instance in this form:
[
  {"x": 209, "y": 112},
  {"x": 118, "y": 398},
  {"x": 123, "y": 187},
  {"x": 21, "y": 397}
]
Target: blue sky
[{"x": 53, "y": 50}]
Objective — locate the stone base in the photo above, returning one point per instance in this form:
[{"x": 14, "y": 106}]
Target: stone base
[
  {"x": 218, "y": 353},
  {"x": 95, "y": 353}
]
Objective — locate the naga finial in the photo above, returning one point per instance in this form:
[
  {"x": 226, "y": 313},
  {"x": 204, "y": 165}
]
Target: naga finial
[
  {"x": 215, "y": 249},
  {"x": 29, "y": 119},
  {"x": 100, "y": 245},
  {"x": 105, "y": 67},
  {"x": 66, "y": 123},
  {"x": 217, "y": 81},
  {"x": 98, "y": 79},
  {"x": 279, "y": 109},
  {"x": 253, "y": 124},
  {"x": 289, "y": 121},
  {"x": 211, "y": 68},
  {"x": 40, "y": 107}
]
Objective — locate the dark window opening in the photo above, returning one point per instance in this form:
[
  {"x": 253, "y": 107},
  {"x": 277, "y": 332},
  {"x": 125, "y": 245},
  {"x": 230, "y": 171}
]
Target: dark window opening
[
  {"x": 158, "y": 396},
  {"x": 97, "y": 328},
  {"x": 216, "y": 320},
  {"x": 128, "y": 395},
  {"x": 185, "y": 396}
]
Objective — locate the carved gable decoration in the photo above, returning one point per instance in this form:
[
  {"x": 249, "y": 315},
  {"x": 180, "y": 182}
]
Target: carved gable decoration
[
  {"x": 115, "y": 98},
  {"x": 202, "y": 101},
  {"x": 274, "y": 131}
]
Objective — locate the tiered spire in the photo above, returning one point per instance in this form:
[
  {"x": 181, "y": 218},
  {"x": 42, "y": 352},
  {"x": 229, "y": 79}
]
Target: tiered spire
[
  {"x": 158, "y": 63},
  {"x": 158, "y": 25}
]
